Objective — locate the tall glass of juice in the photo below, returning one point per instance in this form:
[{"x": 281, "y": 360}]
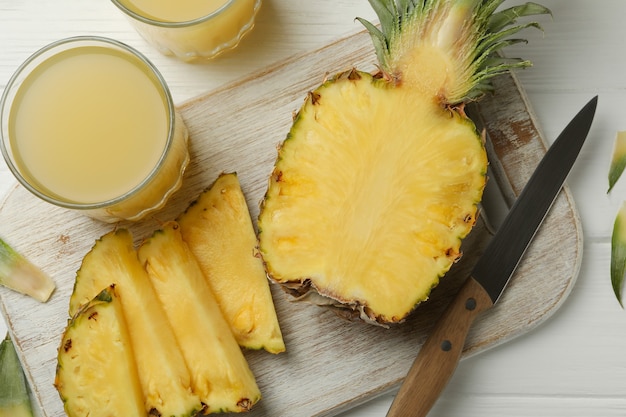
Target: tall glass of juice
[
  {"x": 191, "y": 30},
  {"x": 88, "y": 123}
]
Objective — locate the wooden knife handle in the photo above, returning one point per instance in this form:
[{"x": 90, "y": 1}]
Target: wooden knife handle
[{"x": 440, "y": 354}]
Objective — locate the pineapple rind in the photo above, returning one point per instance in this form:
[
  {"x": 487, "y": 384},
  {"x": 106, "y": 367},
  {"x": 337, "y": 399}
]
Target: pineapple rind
[
  {"x": 96, "y": 374},
  {"x": 220, "y": 373},
  {"x": 408, "y": 26},
  {"x": 366, "y": 206},
  {"x": 219, "y": 231},
  {"x": 163, "y": 373}
]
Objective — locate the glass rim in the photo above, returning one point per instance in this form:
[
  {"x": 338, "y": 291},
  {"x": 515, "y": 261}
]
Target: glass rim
[
  {"x": 14, "y": 83},
  {"x": 172, "y": 24}
]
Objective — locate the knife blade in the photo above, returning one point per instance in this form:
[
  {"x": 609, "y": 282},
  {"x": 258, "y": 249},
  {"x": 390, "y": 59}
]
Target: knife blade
[{"x": 441, "y": 352}]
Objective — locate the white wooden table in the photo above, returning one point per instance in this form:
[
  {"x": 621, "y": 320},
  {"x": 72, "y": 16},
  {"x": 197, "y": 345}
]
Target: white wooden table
[{"x": 572, "y": 365}]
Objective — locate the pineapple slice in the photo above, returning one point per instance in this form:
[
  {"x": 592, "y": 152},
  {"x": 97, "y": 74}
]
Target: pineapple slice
[
  {"x": 96, "y": 373},
  {"x": 219, "y": 231},
  {"x": 220, "y": 373},
  {"x": 379, "y": 178},
  {"x": 163, "y": 373}
]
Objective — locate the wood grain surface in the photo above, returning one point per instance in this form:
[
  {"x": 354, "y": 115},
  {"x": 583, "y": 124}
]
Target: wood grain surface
[{"x": 330, "y": 365}]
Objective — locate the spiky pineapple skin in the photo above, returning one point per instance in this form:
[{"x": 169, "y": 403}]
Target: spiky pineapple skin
[
  {"x": 96, "y": 374},
  {"x": 220, "y": 373}
]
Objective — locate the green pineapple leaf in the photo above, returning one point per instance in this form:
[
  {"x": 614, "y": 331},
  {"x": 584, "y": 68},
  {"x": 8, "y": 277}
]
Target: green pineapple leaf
[
  {"x": 618, "y": 253},
  {"x": 378, "y": 38},
  {"x": 14, "y": 398},
  {"x": 385, "y": 14},
  {"x": 19, "y": 274},
  {"x": 504, "y": 18},
  {"x": 618, "y": 160},
  {"x": 406, "y": 23}
]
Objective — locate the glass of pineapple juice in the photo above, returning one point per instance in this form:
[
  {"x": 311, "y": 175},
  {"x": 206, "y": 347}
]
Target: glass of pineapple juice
[
  {"x": 191, "y": 30},
  {"x": 88, "y": 123}
]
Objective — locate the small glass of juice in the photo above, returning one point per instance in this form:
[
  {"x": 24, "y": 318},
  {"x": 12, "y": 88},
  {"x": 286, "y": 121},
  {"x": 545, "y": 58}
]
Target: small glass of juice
[
  {"x": 191, "y": 30},
  {"x": 88, "y": 123}
]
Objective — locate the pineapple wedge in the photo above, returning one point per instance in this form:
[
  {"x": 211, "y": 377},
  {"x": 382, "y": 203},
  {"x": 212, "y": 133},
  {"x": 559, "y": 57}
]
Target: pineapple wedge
[
  {"x": 163, "y": 373},
  {"x": 220, "y": 373},
  {"x": 96, "y": 374},
  {"x": 219, "y": 231},
  {"x": 19, "y": 274},
  {"x": 380, "y": 175}
]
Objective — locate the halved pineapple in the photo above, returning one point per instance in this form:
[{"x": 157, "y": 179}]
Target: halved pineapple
[
  {"x": 219, "y": 231},
  {"x": 379, "y": 178},
  {"x": 96, "y": 374},
  {"x": 220, "y": 373},
  {"x": 164, "y": 376}
]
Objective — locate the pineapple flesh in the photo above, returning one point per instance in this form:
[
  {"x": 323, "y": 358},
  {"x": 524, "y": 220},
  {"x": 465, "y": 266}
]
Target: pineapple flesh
[
  {"x": 220, "y": 373},
  {"x": 379, "y": 178},
  {"x": 96, "y": 374},
  {"x": 219, "y": 231},
  {"x": 164, "y": 376}
]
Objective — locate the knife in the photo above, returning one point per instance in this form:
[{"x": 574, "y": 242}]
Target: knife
[{"x": 441, "y": 352}]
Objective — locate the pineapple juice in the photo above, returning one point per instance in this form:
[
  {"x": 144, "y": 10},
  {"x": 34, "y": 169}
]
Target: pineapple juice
[
  {"x": 170, "y": 11},
  {"x": 92, "y": 127},
  {"x": 191, "y": 29}
]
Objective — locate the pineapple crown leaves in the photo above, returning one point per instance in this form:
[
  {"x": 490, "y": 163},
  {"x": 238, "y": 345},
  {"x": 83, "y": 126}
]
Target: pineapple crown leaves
[{"x": 473, "y": 30}]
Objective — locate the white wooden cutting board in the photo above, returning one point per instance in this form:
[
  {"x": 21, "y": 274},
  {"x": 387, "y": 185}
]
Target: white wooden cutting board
[{"x": 330, "y": 364}]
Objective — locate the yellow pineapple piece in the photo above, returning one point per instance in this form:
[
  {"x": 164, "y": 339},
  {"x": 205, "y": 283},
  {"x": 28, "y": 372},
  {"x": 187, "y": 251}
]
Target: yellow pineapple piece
[
  {"x": 164, "y": 376},
  {"x": 96, "y": 374},
  {"x": 220, "y": 373},
  {"x": 379, "y": 178},
  {"x": 379, "y": 234},
  {"x": 219, "y": 231}
]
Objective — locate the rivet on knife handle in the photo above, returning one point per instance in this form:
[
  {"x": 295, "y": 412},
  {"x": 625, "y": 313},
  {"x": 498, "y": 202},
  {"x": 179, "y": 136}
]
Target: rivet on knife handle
[{"x": 440, "y": 354}]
